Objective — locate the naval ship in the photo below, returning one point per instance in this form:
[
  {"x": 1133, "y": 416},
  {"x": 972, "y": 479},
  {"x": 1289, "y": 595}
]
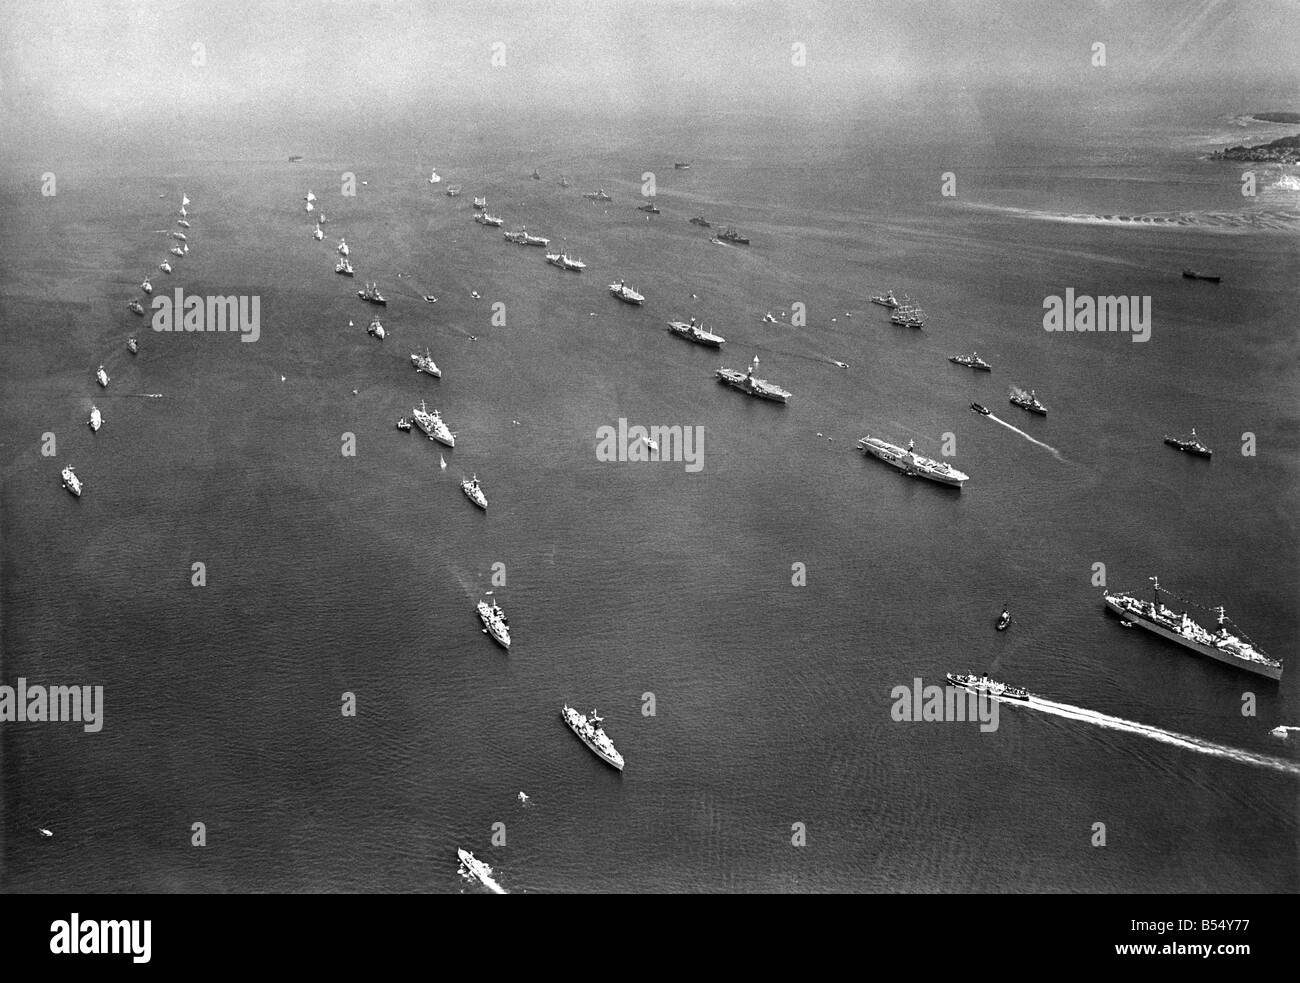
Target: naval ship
[
  {"x": 750, "y": 386},
  {"x": 731, "y": 235},
  {"x": 101, "y": 377},
  {"x": 566, "y": 262},
  {"x": 96, "y": 419},
  {"x": 376, "y": 328},
  {"x": 146, "y": 286},
  {"x": 344, "y": 268},
  {"x": 425, "y": 363},
  {"x": 626, "y": 294},
  {"x": 494, "y": 622},
  {"x": 1222, "y": 645},
  {"x": 888, "y": 300},
  {"x": 1192, "y": 445},
  {"x": 909, "y": 462},
  {"x": 593, "y": 735},
  {"x": 135, "y": 307},
  {"x": 431, "y": 423},
  {"x": 1028, "y": 401},
  {"x": 480, "y": 202},
  {"x": 598, "y": 195},
  {"x": 472, "y": 868},
  {"x": 649, "y": 207},
  {"x": 132, "y": 345},
  {"x": 696, "y": 333},
  {"x": 972, "y": 360},
  {"x": 701, "y": 221},
  {"x": 372, "y": 295},
  {"x": 71, "y": 482},
  {"x": 982, "y": 684},
  {"x": 474, "y": 492},
  {"x": 483, "y": 218}
]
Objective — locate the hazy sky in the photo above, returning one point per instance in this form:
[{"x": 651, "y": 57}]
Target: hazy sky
[{"x": 65, "y": 60}]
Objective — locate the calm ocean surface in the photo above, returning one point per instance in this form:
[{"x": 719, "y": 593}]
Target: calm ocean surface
[{"x": 329, "y": 574}]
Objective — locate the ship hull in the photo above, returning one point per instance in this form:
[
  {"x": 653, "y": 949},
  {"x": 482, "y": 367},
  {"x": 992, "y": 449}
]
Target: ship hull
[
  {"x": 898, "y": 459},
  {"x": 1036, "y": 410},
  {"x": 1268, "y": 672},
  {"x": 592, "y": 747},
  {"x": 706, "y": 342}
]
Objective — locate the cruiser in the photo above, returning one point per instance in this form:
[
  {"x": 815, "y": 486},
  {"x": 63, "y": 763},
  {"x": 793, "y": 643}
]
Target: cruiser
[
  {"x": 101, "y": 377},
  {"x": 701, "y": 221},
  {"x": 536, "y": 176},
  {"x": 1222, "y": 645},
  {"x": 483, "y": 218},
  {"x": 344, "y": 268},
  {"x": 404, "y": 425},
  {"x": 746, "y": 383},
  {"x": 494, "y": 621},
  {"x": 625, "y": 293},
  {"x": 1028, "y": 402},
  {"x": 472, "y": 868},
  {"x": 982, "y": 684},
  {"x": 474, "y": 492},
  {"x": 480, "y": 203},
  {"x": 889, "y": 300},
  {"x": 431, "y": 423},
  {"x": 146, "y": 286},
  {"x": 972, "y": 360},
  {"x": 71, "y": 482},
  {"x": 372, "y": 295},
  {"x": 96, "y": 420},
  {"x": 343, "y": 247},
  {"x": 909, "y": 462},
  {"x": 135, "y": 307},
  {"x": 731, "y": 235},
  {"x": 649, "y": 206},
  {"x": 696, "y": 333},
  {"x": 376, "y": 328},
  {"x": 566, "y": 262},
  {"x": 425, "y": 363},
  {"x": 132, "y": 345},
  {"x": 593, "y": 735},
  {"x": 1192, "y": 445}
]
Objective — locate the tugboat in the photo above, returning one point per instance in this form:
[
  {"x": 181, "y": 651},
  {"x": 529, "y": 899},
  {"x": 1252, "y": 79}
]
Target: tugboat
[
  {"x": 982, "y": 684},
  {"x": 483, "y": 218},
  {"x": 593, "y": 735},
  {"x": 132, "y": 345},
  {"x": 471, "y": 868},
  {"x": 1028, "y": 401},
  {"x": 1208, "y": 277},
  {"x": 889, "y": 300},
  {"x": 431, "y": 423},
  {"x": 626, "y": 294},
  {"x": 696, "y": 333},
  {"x": 71, "y": 482},
  {"x": 731, "y": 235},
  {"x": 911, "y": 463},
  {"x": 96, "y": 420},
  {"x": 376, "y": 328},
  {"x": 344, "y": 268},
  {"x": 474, "y": 492},
  {"x": 404, "y": 425},
  {"x": 972, "y": 360},
  {"x": 1004, "y": 619},
  {"x": 981, "y": 408},
  {"x": 597, "y": 195},
  {"x": 701, "y": 221},
  {"x": 494, "y": 622},
  {"x": 750, "y": 386},
  {"x": 101, "y": 377},
  {"x": 649, "y": 206},
  {"x": 146, "y": 286},
  {"x": 372, "y": 295},
  {"x": 1192, "y": 445},
  {"x": 135, "y": 308},
  {"x": 425, "y": 363},
  {"x": 480, "y": 203}
]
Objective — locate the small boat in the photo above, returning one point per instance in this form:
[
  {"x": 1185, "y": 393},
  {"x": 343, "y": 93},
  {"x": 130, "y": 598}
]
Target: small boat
[
  {"x": 322, "y": 219},
  {"x": 430, "y": 299},
  {"x": 372, "y": 295},
  {"x": 45, "y": 831},
  {"x": 980, "y": 408},
  {"x": 434, "y": 178},
  {"x": 649, "y": 206},
  {"x": 96, "y": 420},
  {"x": 404, "y": 424},
  {"x": 342, "y": 248},
  {"x": 453, "y": 191},
  {"x": 177, "y": 251},
  {"x": 309, "y": 196},
  {"x": 681, "y": 166},
  {"x": 523, "y": 798},
  {"x": 294, "y": 158},
  {"x": 179, "y": 236},
  {"x": 135, "y": 307},
  {"x": 564, "y": 181},
  {"x": 536, "y": 176},
  {"x": 71, "y": 482},
  {"x": 1207, "y": 277},
  {"x": 484, "y": 218},
  {"x": 146, "y": 286},
  {"x": 442, "y": 463},
  {"x": 473, "y": 869},
  {"x": 474, "y": 492},
  {"x": 1190, "y": 445},
  {"x": 480, "y": 203},
  {"x": 310, "y": 207},
  {"x": 376, "y": 328},
  {"x": 101, "y": 377},
  {"x": 1004, "y": 619},
  {"x": 344, "y": 268},
  {"x": 701, "y": 221},
  {"x": 182, "y": 223},
  {"x": 972, "y": 360},
  {"x": 1028, "y": 401},
  {"x": 626, "y": 294},
  {"x": 132, "y": 345}
]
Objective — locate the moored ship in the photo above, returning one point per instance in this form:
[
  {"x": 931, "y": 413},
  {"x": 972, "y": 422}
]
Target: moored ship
[
  {"x": 344, "y": 268},
  {"x": 1190, "y": 445},
  {"x": 472, "y": 868},
  {"x": 566, "y": 262},
  {"x": 494, "y": 622},
  {"x": 431, "y": 423},
  {"x": 1028, "y": 401},
  {"x": 474, "y": 492},
  {"x": 626, "y": 294},
  {"x": 96, "y": 419},
  {"x": 1177, "y": 626},
  {"x": 888, "y": 300},
  {"x": 425, "y": 363},
  {"x": 701, "y": 221},
  {"x": 591, "y": 733},
  {"x": 731, "y": 235},
  {"x": 372, "y": 295},
  {"x": 912, "y": 463},
  {"x": 101, "y": 377},
  {"x": 972, "y": 361},
  {"x": 71, "y": 482},
  {"x": 697, "y": 333},
  {"x": 983, "y": 684},
  {"x": 751, "y": 386},
  {"x": 597, "y": 195}
]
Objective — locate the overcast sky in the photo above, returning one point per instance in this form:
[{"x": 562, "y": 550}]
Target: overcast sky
[{"x": 67, "y": 59}]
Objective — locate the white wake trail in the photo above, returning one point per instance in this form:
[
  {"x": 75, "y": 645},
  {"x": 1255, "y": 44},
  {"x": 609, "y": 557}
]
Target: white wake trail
[{"x": 1046, "y": 447}]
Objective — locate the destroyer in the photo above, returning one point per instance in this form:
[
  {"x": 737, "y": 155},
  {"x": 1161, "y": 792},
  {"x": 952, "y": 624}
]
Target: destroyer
[
  {"x": 1222, "y": 645},
  {"x": 593, "y": 735},
  {"x": 889, "y": 300},
  {"x": 1028, "y": 401},
  {"x": 471, "y": 868},
  {"x": 750, "y": 386},
  {"x": 494, "y": 622},
  {"x": 972, "y": 360},
  {"x": 909, "y": 462},
  {"x": 1192, "y": 445},
  {"x": 697, "y": 333},
  {"x": 431, "y": 423},
  {"x": 425, "y": 363},
  {"x": 731, "y": 235},
  {"x": 372, "y": 295},
  {"x": 991, "y": 687},
  {"x": 474, "y": 492},
  {"x": 626, "y": 294},
  {"x": 71, "y": 482},
  {"x": 566, "y": 262},
  {"x": 101, "y": 377}
]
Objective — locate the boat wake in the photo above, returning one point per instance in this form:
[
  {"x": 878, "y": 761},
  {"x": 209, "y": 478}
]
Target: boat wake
[
  {"x": 1184, "y": 741},
  {"x": 1048, "y": 447},
  {"x": 1228, "y": 222}
]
